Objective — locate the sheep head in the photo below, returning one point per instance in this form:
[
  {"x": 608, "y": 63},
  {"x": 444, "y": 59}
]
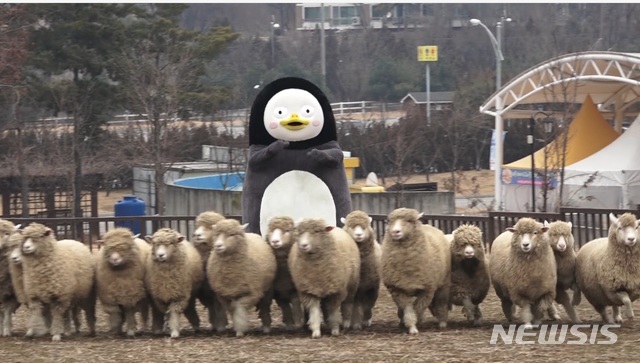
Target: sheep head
[
  {"x": 38, "y": 239},
  {"x": 403, "y": 222},
  {"x": 528, "y": 234},
  {"x": 6, "y": 229},
  {"x": 358, "y": 225},
  {"x": 313, "y": 235},
  {"x": 14, "y": 247},
  {"x": 203, "y": 235},
  {"x": 164, "y": 244},
  {"x": 230, "y": 236},
  {"x": 280, "y": 233},
  {"x": 560, "y": 236},
  {"x": 119, "y": 248},
  {"x": 467, "y": 243},
  {"x": 624, "y": 229}
]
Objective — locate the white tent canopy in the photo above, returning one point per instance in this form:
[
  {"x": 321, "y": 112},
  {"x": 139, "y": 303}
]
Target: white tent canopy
[
  {"x": 609, "y": 178},
  {"x": 612, "y": 79}
]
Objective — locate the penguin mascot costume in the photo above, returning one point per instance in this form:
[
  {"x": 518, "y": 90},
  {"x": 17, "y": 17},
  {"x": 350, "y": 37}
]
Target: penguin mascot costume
[{"x": 295, "y": 165}]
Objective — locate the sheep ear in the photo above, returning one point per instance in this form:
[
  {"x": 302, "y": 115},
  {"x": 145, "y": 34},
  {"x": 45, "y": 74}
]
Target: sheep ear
[
  {"x": 511, "y": 229},
  {"x": 180, "y": 239},
  {"x": 328, "y": 228},
  {"x": 420, "y": 215},
  {"x": 570, "y": 225},
  {"x": 370, "y": 219},
  {"x": 136, "y": 235},
  {"x": 544, "y": 229},
  {"x": 244, "y": 226},
  {"x": 612, "y": 218},
  {"x": 545, "y": 223},
  {"x": 343, "y": 220},
  {"x": 148, "y": 239},
  {"x": 48, "y": 232},
  {"x": 17, "y": 227}
]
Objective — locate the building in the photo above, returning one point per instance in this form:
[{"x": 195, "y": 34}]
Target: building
[{"x": 414, "y": 104}]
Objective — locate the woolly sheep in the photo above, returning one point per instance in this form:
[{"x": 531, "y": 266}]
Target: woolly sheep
[
  {"x": 523, "y": 270},
  {"x": 9, "y": 302},
  {"x": 470, "y": 281},
  {"x": 173, "y": 276},
  {"x": 58, "y": 274},
  {"x": 562, "y": 242},
  {"x": 358, "y": 225},
  {"x": 120, "y": 271},
  {"x": 281, "y": 236},
  {"x": 203, "y": 242},
  {"x": 608, "y": 269},
  {"x": 416, "y": 265},
  {"x": 241, "y": 270},
  {"x": 325, "y": 268}
]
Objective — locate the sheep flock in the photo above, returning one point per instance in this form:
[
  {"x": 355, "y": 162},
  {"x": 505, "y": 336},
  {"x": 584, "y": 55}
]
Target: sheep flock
[{"x": 324, "y": 278}]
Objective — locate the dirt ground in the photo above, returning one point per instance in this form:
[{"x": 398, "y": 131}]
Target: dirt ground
[{"x": 384, "y": 341}]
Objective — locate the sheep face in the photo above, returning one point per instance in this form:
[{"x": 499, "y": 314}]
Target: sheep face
[
  {"x": 14, "y": 248},
  {"x": 204, "y": 228},
  {"x": 121, "y": 254},
  {"x": 526, "y": 234},
  {"x": 37, "y": 239},
  {"x": 467, "y": 243},
  {"x": 560, "y": 236},
  {"x": 202, "y": 235},
  {"x": 403, "y": 222},
  {"x": 625, "y": 228},
  {"x": 358, "y": 224},
  {"x": 312, "y": 235},
  {"x": 164, "y": 244},
  {"x": 230, "y": 236},
  {"x": 280, "y": 232}
]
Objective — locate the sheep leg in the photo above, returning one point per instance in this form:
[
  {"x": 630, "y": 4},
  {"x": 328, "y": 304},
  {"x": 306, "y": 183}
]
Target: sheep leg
[
  {"x": 130, "y": 321},
  {"x": 577, "y": 296},
  {"x": 405, "y": 305},
  {"x": 287, "y": 313},
  {"x": 477, "y": 321},
  {"x": 626, "y": 301},
  {"x": 157, "y": 318},
  {"x": 469, "y": 308},
  {"x": 143, "y": 308},
  {"x": 552, "y": 312},
  {"x": 264, "y": 312},
  {"x": 221, "y": 315},
  {"x": 357, "y": 314},
  {"x": 369, "y": 302},
  {"x": 617, "y": 316},
  {"x": 334, "y": 304},
  {"x": 312, "y": 305},
  {"x": 174, "y": 320},
  {"x": 507, "y": 309},
  {"x": 239, "y": 317},
  {"x": 347, "y": 308},
  {"x": 297, "y": 311},
  {"x": 115, "y": 318},
  {"x": 562, "y": 297},
  {"x": 192, "y": 315},
  {"x": 602, "y": 310},
  {"x": 36, "y": 321},
  {"x": 58, "y": 311},
  {"x": 440, "y": 306},
  {"x": 8, "y": 309},
  {"x": 526, "y": 315}
]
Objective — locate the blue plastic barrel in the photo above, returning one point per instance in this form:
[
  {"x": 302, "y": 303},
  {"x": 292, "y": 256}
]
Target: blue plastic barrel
[{"x": 130, "y": 205}]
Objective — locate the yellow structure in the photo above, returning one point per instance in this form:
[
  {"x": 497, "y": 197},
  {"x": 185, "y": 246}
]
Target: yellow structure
[
  {"x": 589, "y": 132},
  {"x": 350, "y": 164}
]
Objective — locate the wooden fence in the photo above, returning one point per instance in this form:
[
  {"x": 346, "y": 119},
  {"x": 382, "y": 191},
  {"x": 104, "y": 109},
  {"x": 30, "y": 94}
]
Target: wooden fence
[{"x": 587, "y": 224}]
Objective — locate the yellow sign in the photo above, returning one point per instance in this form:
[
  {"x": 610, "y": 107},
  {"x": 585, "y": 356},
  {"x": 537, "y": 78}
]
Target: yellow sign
[{"x": 428, "y": 53}]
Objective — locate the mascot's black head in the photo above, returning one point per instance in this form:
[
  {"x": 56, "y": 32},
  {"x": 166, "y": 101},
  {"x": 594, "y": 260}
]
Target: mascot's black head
[{"x": 292, "y": 109}]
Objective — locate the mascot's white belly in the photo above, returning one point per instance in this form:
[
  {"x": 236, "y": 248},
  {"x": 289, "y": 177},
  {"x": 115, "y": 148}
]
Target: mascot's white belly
[{"x": 297, "y": 194}]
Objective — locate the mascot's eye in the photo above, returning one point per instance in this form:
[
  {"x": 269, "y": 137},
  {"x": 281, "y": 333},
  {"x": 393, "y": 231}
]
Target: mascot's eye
[
  {"x": 280, "y": 112},
  {"x": 307, "y": 111}
]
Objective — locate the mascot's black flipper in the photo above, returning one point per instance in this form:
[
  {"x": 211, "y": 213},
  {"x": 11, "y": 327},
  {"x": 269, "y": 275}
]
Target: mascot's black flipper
[{"x": 295, "y": 165}]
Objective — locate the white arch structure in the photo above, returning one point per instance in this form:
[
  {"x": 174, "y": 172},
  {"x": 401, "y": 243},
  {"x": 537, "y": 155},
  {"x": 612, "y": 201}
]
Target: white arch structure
[{"x": 612, "y": 80}]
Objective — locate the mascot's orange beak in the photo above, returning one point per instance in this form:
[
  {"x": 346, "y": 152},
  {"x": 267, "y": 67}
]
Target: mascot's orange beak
[{"x": 294, "y": 123}]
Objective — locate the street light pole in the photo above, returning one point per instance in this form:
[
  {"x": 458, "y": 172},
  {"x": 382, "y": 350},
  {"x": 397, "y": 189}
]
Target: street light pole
[
  {"x": 531, "y": 139},
  {"x": 274, "y": 26}
]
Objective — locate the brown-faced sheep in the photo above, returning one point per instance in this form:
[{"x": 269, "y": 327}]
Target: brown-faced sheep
[
  {"x": 9, "y": 302},
  {"x": 120, "y": 271},
  {"x": 173, "y": 276},
  {"x": 325, "y": 268},
  {"x": 358, "y": 225},
  {"x": 203, "y": 241},
  {"x": 470, "y": 281},
  {"x": 523, "y": 270},
  {"x": 241, "y": 270},
  {"x": 416, "y": 268},
  {"x": 562, "y": 242},
  {"x": 608, "y": 269},
  {"x": 58, "y": 274},
  {"x": 281, "y": 236}
]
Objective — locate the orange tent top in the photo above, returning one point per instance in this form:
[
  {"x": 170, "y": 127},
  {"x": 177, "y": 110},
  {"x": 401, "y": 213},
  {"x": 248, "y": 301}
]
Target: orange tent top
[{"x": 588, "y": 133}]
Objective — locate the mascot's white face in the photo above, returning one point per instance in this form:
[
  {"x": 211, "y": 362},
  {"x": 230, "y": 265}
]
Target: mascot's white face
[{"x": 293, "y": 115}]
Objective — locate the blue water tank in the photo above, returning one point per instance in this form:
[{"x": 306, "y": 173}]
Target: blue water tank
[{"x": 130, "y": 205}]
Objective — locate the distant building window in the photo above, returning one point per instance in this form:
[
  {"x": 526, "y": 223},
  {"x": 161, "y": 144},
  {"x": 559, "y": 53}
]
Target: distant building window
[
  {"x": 313, "y": 13},
  {"x": 427, "y": 9}
]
